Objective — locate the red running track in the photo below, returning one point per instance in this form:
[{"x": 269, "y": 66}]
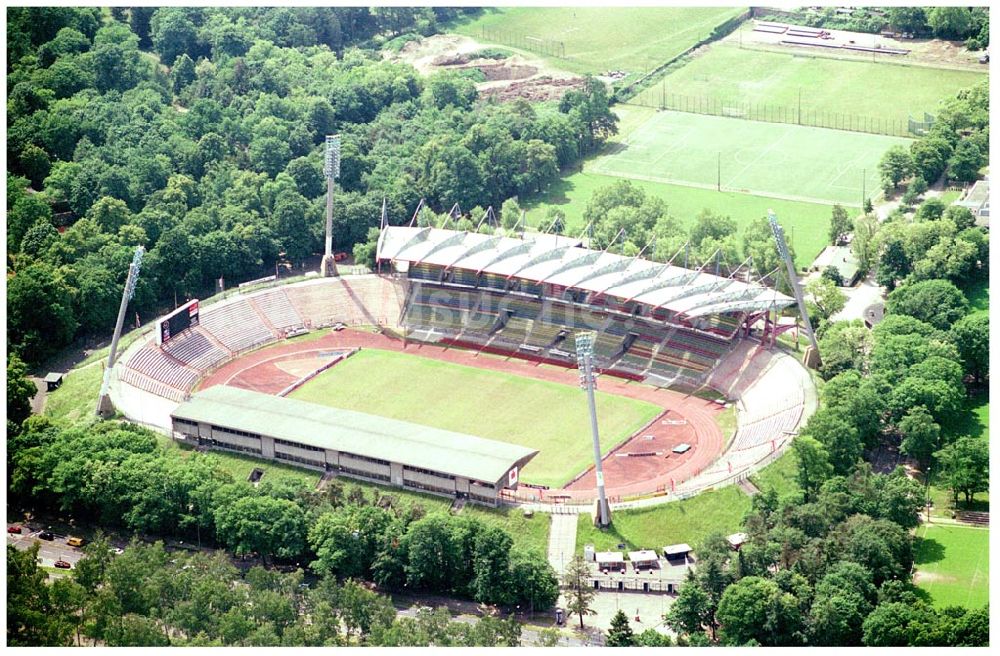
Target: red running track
[{"x": 684, "y": 418}]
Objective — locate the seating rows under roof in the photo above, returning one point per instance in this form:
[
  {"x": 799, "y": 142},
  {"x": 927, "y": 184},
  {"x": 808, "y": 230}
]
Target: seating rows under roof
[{"x": 691, "y": 293}]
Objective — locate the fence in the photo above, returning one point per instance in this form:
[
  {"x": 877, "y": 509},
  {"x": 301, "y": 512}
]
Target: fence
[
  {"x": 770, "y": 113},
  {"x": 547, "y": 47}
]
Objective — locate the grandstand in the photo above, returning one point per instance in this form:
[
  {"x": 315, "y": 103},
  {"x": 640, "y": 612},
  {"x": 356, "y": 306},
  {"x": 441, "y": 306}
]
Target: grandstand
[{"x": 665, "y": 325}]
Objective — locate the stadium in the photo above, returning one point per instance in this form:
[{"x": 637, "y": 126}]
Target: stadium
[{"x": 219, "y": 375}]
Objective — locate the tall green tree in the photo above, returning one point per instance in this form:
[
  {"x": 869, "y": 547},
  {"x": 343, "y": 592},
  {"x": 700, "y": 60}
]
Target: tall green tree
[
  {"x": 620, "y": 633},
  {"x": 579, "y": 593},
  {"x": 964, "y": 467}
]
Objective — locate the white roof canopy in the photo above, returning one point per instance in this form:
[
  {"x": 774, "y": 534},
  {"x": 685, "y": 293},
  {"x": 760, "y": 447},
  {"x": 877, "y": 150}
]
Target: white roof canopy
[{"x": 691, "y": 293}]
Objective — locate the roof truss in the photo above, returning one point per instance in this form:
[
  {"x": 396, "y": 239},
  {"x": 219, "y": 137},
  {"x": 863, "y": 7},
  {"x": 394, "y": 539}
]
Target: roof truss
[{"x": 544, "y": 256}]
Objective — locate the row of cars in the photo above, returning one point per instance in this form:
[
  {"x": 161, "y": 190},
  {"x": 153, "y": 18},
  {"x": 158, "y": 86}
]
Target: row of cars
[{"x": 49, "y": 536}]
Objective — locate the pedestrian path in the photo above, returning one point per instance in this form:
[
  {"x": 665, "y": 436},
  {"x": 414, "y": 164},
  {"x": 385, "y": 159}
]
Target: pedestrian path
[{"x": 562, "y": 541}]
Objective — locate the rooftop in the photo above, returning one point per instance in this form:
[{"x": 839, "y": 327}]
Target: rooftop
[
  {"x": 691, "y": 293},
  {"x": 355, "y": 432}
]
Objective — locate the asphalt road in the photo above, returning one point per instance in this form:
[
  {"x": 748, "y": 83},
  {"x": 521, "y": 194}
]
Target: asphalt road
[{"x": 50, "y": 550}]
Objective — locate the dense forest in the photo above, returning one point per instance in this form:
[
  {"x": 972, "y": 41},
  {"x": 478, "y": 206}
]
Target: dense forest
[{"x": 197, "y": 133}]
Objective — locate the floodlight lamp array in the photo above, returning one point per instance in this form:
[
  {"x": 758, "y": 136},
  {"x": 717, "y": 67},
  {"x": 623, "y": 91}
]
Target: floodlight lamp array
[
  {"x": 134, "y": 276},
  {"x": 331, "y": 160}
]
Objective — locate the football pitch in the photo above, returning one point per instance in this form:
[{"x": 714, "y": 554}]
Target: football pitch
[
  {"x": 729, "y": 75},
  {"x": 776, "y": 160},
  {"x": 953, "y": 564},
  {"x": 550, "y": 417},
  {"x": 633, "y": 39}
]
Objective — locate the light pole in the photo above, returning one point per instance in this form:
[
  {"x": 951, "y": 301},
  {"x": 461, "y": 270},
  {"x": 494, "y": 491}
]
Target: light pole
[
  {"x": 927, "y": 493},
  {"x": 331, "y": 171},
  {"x": 585, "y": 360},
  {"x": 104, "y": 406}
]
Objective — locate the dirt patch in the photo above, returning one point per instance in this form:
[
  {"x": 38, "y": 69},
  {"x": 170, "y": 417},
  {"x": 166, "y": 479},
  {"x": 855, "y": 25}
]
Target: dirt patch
[
  {"x": 517, "y": 77},
  {"x": 921, "y": 576}
]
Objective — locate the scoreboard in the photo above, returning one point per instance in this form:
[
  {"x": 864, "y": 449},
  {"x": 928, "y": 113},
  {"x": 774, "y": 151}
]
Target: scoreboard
[{"x": 177, "y": 321}]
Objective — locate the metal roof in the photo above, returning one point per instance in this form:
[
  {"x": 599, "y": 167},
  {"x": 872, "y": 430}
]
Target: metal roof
[
  {"x": 691, "y": 293},
  {"x": 354, "y": 432}
]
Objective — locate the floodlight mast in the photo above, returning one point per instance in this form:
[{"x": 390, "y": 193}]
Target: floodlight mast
[
  {"x": 779, "y": 239},
  {"x": 331, "y": 171},
  {"x": 585, "y": 360},
  {"x": 104, "y": 407}
]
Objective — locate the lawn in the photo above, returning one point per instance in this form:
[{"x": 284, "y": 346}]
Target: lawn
[
  {"x": 781, "y": 476},
  {"x": 240, "y": 466},
  {"x": 953, "y": 564},
  {"x": 596, "y": 40},
  {"x": 76, "y": 398},
  {"x": 495, "y": 405},
  {"x": 978, "y": 293},
  {"x": 671, "y": 523},
  {"x": 777, "y": 160},
  {"x": 806, "y": 224},
  {"x": 733, "y": 77}
]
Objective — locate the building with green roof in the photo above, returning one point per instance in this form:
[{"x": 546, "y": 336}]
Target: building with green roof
[{"x": 351, "y": 443}]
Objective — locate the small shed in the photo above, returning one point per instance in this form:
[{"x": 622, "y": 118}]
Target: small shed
[
  {"x": 683, "y": 447},
  {"x": 53, "y": 380},
  {"x": 588, "y": 553},
  {"x": 676, "y": 552},
  {"x": 644, "y": 559},
  {"x": 610, "y": 560},
  {"x": 842, "y": 259},
  {"x": 736, "y": 540}
]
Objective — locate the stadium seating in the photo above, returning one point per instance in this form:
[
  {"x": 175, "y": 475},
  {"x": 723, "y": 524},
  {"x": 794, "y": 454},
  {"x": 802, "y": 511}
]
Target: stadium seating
[
  {"x": 277, "y": 310},
  {"x": 236, "y": 325},
  {"x": 154, "y": 363},
  {"x": 195, "y": 349}
]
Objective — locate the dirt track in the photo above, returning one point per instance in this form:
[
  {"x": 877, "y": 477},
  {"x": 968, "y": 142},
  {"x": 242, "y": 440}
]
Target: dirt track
[{"x": 684, "y": 419}]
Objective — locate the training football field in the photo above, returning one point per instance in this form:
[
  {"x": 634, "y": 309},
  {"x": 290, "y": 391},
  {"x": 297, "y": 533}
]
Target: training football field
[
  {"x": 766, "y": 159},
  {"x": 953, "y": 564},
  {"x": 550, "y": 417}
]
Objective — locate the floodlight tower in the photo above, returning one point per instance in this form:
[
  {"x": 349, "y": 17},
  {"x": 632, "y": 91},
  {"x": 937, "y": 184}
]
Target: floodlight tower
[
  {"x": 585, "y": 360},
  {"x": 104, "y": 407},
  {"x": 779, "y": 239},
  {"x": 331, "y": 171}
]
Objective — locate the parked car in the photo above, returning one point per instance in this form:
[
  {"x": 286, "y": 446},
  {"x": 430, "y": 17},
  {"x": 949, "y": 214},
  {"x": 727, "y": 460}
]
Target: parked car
[
  {"x": 46, "y": 535},
  {"x": 14, "y": 528},
  {"x": 75, "y": 542},
  {"x": 62, "y": 564}
]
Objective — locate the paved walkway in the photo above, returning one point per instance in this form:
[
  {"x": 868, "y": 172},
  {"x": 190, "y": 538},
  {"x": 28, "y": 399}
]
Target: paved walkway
[
  {"x": 562, "y": 541},
  {"x": 859, "y": 299}
]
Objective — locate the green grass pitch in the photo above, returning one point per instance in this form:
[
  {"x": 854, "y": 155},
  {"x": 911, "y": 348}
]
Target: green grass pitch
[
  {"x": 546, "y": 416},
  {"x": 687, "y": 521},
  {"x": 890, "y": 92},
  {"x": 806, "y": 224},
  {"x": 765, "y": 159},
  {"x": 633, "y": 39},
  {"x": 953, "y": 564}
]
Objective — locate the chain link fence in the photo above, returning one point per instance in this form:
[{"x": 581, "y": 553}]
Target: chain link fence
[{"x": 547, "y": 47}]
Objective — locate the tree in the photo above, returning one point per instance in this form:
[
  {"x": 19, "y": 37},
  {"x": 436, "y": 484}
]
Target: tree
[
  {"x": 653, "y": 638},
  {"x": 965, "y": 467},
  {"x": 172, "y": 33},
  {"x": 339, "y": 551},
  {"x": 182, "y": 73},
  {"x": 363, "y": 611},
  {"x": 908, "y": 19},
  {"x": 31, "y": 621},
  {"x": 894, "y": 167},
  {"x": 620, "y": 633},
  {"x": 937, "y": 302},
  {"x": 20, "y": 390},
  {"x": 840, "y": 224},
  {"x": 579, "y": 593},
  {"x": 264, "y": 525},
  {"x": 880, "y": 545},
  {"x": 930, "y": 157},
  {"x": 827, "y": 299},
  {"x": 887, "y": 625},
  {"x": 965, "y": 162},
  {"x": 838, "y": 437},
  {"x": 920, "y": 435},
  {"x": 949, "y": 22},
  {"x": 533, "y": 581},
  {"x": 27, "y": 211},
  {"x": 40, "y": 318},
  {"x": 491, "y": 565},
  {"x": 692, "y": 611},
  {"x": 931, "y": 209},
  {"x": 844, "y": 346},
  {"x": 510, "y": 214},
  {"x": 893, "y": 264},
  {"x": 864, "y": 246},
  {"x": 971, "y": 336},
  {"x": 832, "y": 274},
  {"x": 755, "y": 611},
  {"x": 814, "y": 464}
]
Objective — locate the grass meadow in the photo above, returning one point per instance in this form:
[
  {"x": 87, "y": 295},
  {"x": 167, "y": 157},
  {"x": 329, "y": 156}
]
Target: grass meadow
[
  {"x": 806, "y": 224},
  {"x": 671, "y": 523},
  {"x": 76, "y": 398},
  {"x": 953, "y": 564},
  {"x": 550, "y": 417},
  {"x": 725, "y": 73},
  {"x": 633, "y": 39},
  {"x": 776, "y": 160}
]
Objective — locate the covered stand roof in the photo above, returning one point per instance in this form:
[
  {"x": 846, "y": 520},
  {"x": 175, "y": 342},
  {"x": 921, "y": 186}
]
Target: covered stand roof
[
  {"x": 609, "y": 557},
  {"x": 680, "y": 290},
  {"x": 643, "y": 555},
  {"x": 354, "y": 432}
]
